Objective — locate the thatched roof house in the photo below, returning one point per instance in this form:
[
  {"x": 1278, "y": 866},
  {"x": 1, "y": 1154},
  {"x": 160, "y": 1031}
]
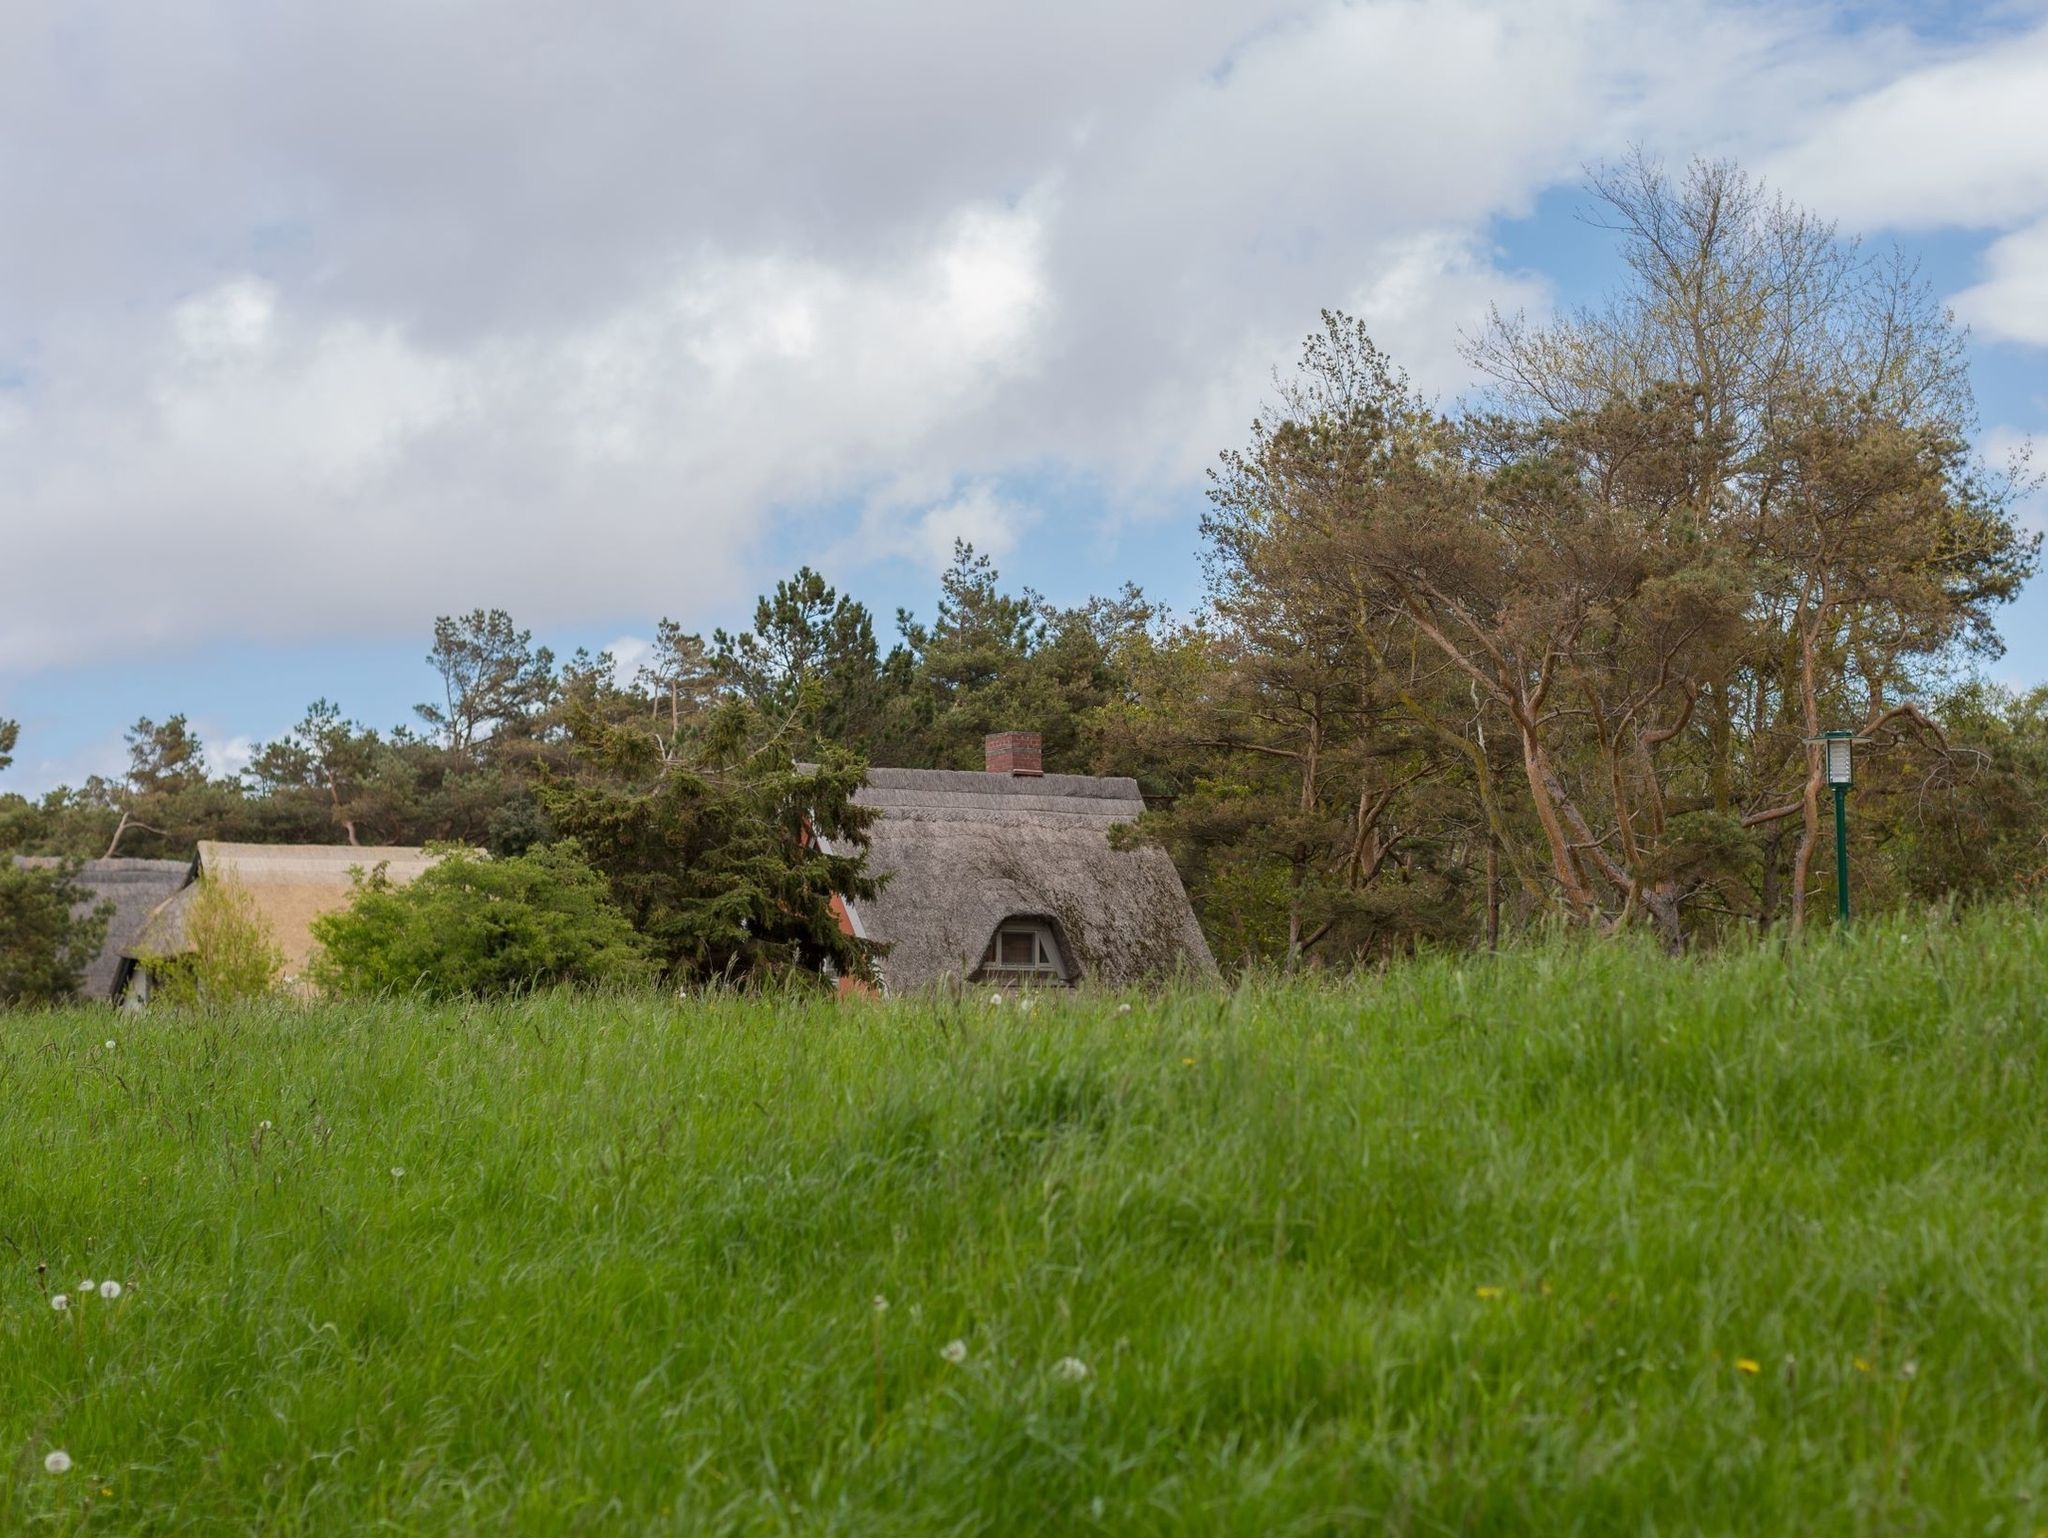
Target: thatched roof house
[
  {"x": 134, "y": 887},
  {"x": 1008, "y": 877},
  {"x": 290, "y": 884}
]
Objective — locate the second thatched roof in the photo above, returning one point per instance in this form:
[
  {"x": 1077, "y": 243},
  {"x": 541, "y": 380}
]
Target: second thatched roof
[
  {"x": 134, "y": 888},
  {"x": 290, "y": 884}
]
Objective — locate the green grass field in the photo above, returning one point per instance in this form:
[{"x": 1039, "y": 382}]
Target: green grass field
[{"x": 1579, "y": 1240}]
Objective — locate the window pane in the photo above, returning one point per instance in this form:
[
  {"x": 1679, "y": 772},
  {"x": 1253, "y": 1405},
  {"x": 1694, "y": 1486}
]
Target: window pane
[{"x": 1019, "y": 947}]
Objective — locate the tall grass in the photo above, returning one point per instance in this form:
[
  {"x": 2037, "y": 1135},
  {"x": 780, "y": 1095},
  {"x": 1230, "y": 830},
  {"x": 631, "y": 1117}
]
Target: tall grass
[{"x": 1578, "y": 1240}]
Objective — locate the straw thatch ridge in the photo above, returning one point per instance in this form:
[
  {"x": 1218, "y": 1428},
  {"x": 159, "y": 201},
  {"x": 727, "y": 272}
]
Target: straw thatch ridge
[
  {"x": 135, "y": 888},
  {"x": 290, "y": 884},
  {"x": 963, "y": 851}
]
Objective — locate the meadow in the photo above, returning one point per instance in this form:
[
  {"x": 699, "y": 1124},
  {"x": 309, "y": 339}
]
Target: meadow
[{"x": 1577, "y": 1239}]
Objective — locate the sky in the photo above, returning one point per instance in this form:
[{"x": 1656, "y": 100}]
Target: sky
[{"x": 317, "y": 321}]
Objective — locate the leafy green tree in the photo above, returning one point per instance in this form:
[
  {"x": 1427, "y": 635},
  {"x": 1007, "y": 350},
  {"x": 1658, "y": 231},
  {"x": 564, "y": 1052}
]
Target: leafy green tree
[
  {"x": 50, "y": 931},
  {"x": 681, "y": 679},
  {"x": 230, "y": 953},
  {"x": 721, "y": 851},
  {"x": 166, "y": 801},
  {"x": 476, "y": 927},
  {"x": 10, "y": 734},
  {"x": 973, "y": 665},
  {"x": 494, "y": 680},
  {"x": 322, "y": 768},
  {"x": 1822, "y": 407},
  {"x": 810, "y": 666}
]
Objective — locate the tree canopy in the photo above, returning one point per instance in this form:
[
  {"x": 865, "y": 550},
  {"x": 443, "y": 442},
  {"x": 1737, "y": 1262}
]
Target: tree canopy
[{"x": 1555, "y": 653}]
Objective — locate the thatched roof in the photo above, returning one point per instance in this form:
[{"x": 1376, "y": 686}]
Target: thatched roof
[
  {"x": 290, "y": 884},
  {"x": 134, "y": 887},
  {"x": 964, "y": 851}
]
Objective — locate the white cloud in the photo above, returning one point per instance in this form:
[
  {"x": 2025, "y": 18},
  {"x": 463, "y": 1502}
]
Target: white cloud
[
  {"x": 1431, "y": 289},
  {"x": 231, "y": 757},
  {"x": 1963, "y": 141},
  {"x": 279, "y": 472},
  {"x": 627, "y": 653},
  {"x": 337, "y": 318},
  {"x": 978, "y": 513},
  {"x": 2011, "y": 303}
]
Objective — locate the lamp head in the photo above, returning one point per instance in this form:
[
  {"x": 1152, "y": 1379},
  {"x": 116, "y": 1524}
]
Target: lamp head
[{"x": 1839, "y": 757}]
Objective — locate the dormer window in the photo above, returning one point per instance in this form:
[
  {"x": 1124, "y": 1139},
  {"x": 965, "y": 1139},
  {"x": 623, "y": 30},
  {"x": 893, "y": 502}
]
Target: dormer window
[{"x": 1023, "y": 951}]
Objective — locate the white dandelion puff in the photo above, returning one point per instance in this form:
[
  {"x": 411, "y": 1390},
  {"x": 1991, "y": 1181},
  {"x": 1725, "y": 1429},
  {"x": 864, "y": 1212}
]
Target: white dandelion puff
[
  {"x": 110, "y": 1044},
  {"x": 954, "y": 1351},
  {"x": 881, "y": 1304},
  {"x": 263, "y": 1126},
  {"x": 110, "y": 1289},
  {"x": 57, "y": 1461},
  {"x": 1123, "y": 1009},
  {"x": 1071, "y": 1369},
  {"x": 86, "y": 1285},
  {"x": 995, "y": 1001},
  {"x": 61, "y": 1302},
  {"x": 398, "y": 1172},
  {"x": 1024, "y": 1006}
]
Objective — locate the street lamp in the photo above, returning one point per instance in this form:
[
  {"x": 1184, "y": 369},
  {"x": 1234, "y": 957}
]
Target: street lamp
[{"x": 1840, "y": 775}]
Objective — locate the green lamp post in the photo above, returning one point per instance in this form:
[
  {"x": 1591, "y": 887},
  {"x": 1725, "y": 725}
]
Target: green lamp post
[{"x": 1840, "y": 775}]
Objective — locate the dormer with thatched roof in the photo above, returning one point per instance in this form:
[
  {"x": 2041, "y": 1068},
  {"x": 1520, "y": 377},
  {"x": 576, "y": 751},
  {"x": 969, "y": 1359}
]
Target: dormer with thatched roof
[{"x": 1007, "y": 877}]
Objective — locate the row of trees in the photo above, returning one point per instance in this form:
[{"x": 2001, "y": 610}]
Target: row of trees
[
  {"x": 1573, "y": 641},
  {"x": 1554, "y": 655}
]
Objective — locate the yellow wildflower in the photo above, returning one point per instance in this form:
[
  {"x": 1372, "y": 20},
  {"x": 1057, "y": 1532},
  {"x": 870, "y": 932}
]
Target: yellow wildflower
[
  {"x": 1744, "y": 1364},
  {"x": 1859, "y": 1364},
  {"x": 1488, "y": 1292}
]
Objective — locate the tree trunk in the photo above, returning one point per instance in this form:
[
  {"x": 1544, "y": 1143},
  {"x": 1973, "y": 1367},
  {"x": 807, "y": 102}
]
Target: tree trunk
[
  {"x": 1809, "y": 801},
  {"x": 1492, "y": 893},
  {"x": 1536, "y": 765}
]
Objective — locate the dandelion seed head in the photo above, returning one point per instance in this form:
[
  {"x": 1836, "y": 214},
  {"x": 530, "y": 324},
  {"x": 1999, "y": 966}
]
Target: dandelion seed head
[
  {"x": 1909, "y": 1370},
  {"x": 110, "y": 1044},
  {"x": 398, "y": 1172},
  {"x": 57, "y": 1461},
  {"x": 881, "y": 1304},
  {"x": 1123, "y": 1009},
  {"x": 60, "y": 1302},
  {"x": 995, "y": 1001},
  {"x": 263, "y": 1126},
  {"x": 954, "y": 1351},
  {"x": 1070, "y": 1369},
  {"x": 86, "y": 1285},
  {"x": 110, "y": 1289}
]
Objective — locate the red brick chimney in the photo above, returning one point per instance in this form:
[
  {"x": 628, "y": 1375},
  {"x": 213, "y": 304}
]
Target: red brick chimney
[{"x": 1013, "y": 753}]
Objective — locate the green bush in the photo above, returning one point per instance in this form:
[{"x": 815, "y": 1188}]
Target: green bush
[
  {"x": 232, "y": 953},
  {"x": 473, "y": 926},
  {"x": 47, "y": 934}
]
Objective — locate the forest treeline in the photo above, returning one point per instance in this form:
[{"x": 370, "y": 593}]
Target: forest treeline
[{"x": 1556, "y": 653}]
